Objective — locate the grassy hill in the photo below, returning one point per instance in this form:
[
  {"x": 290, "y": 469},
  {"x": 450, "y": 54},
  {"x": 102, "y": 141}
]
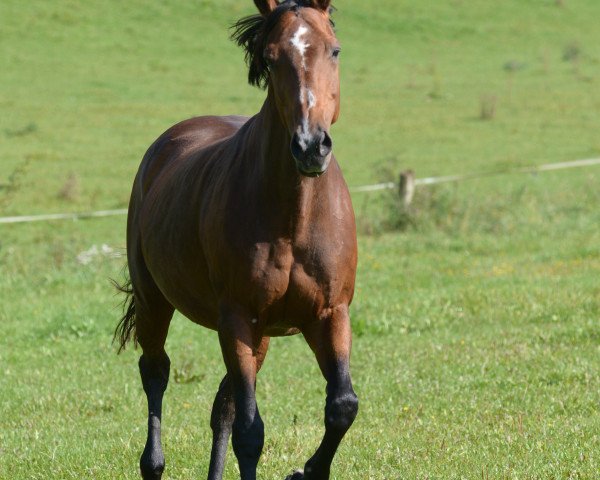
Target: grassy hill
[
  {"x": 86, "y": 87},
  {"x": 476, "y": 317}
]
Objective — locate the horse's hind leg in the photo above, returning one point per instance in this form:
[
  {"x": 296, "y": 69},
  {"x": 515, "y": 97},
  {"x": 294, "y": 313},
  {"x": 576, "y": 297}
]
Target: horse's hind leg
[
  {"x": 223, "y": 415},
  {"x": 153, "y": 316},
  {"x": 238, "y": 344},
  {"x": 330, "y": 339},
  {"x": 221, "y": 420},
  {"x": 155, "y": 376}
]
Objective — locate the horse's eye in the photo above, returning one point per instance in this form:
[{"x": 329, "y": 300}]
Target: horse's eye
[{"x": 336, "y": 52}]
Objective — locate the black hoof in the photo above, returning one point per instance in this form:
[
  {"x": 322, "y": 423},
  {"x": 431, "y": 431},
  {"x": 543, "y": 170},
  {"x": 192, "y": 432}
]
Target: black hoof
[
  {"x": 152, "y": 465},
  {"x": 151, "y": 473},
  {"x": 297, "y": 475}
]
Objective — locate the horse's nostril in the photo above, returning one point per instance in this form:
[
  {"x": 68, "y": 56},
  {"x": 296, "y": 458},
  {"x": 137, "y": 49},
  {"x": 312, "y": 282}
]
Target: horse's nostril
[
  {"x": 326, "y": 144},
  {"x": 297, "y": 150}
]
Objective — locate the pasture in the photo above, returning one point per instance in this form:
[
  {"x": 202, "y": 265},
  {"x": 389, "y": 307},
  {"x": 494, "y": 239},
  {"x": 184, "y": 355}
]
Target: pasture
[{"x": 477, "y": 314}]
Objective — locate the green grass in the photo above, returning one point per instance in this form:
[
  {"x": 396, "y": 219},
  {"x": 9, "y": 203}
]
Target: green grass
[{"x": 476, "y": 327}]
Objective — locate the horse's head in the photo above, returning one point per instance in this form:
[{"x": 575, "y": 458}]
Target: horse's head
[{"x": 291, "y": 48}]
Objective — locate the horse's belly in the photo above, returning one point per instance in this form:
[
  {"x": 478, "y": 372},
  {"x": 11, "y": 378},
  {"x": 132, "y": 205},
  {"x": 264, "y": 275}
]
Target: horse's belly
[
  {"x": 191, "y": 295},
  {"x": 179, "y": 270}
]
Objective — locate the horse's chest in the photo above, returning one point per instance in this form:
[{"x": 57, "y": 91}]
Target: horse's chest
[
  {"x": 282, "y": 273},
  {"x": 269, "y": 270}
]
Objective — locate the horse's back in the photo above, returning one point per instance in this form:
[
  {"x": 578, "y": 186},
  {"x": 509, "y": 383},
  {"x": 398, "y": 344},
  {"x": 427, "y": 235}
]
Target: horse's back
[{"x": 181, "y": 140}]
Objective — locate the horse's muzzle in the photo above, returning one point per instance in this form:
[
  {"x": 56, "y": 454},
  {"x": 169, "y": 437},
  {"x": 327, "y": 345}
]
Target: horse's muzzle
[{"x": 312, "y": 152}]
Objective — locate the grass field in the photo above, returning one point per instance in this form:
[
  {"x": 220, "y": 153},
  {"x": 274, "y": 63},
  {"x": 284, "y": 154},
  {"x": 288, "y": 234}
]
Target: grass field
[{"x": 476, "y": 321}]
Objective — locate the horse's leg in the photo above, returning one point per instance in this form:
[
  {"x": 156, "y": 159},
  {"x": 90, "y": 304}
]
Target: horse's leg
[
  {"x": 152, "y": 325},
  {"x": 239, "y": 345},
  {"x": 330, "y": 339},
  {"x": 223, "y": 414}
]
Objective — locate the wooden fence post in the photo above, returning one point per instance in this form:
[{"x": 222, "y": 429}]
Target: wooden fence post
[{"x": 406, "y": 187}]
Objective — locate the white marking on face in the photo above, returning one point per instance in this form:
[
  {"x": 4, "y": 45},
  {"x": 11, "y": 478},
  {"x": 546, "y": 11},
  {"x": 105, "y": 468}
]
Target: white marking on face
[
  {"x": 306, "y": 95},
  {"x": 300, "y": 44},
  {"x": 312, "y": 101},
  {"x": 303, "y": 134},
  {"x": 303, "y": 130}
]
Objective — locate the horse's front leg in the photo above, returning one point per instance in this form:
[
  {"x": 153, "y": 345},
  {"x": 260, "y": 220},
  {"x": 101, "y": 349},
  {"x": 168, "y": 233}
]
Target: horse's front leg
[
  {"x": 330, "y": 339},
  {"x": 239, "y": 344}
]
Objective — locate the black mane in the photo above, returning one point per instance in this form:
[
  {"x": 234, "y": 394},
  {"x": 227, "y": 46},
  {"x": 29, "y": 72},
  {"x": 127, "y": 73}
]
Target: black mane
[{"x": 251, "y": 34}]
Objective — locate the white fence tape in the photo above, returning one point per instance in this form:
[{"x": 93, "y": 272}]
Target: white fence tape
[
  {"x": 467, "y": 176},
  {"x": 365, "y": 188},
  {"x": 62, "y": 216}
]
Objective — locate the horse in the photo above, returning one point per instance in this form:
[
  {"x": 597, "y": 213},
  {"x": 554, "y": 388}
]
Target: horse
[{"x": 246, "y": 227}]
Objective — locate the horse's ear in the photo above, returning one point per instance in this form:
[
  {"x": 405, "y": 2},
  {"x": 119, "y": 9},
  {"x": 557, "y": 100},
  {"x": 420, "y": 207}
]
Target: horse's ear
[
  {"x": 266, "y": 6},
  {"x": 321, "y": 4}
]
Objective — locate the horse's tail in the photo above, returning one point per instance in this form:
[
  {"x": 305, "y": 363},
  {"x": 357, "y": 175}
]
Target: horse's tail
[{"x": 125, "y": 330}]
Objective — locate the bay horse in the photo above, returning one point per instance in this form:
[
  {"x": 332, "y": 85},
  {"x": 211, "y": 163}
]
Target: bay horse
[{"x": 245, "y": 225}]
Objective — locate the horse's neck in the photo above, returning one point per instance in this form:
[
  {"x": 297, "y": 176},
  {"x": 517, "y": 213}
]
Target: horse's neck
[
  {"x": 272, "y": 139},
  {"x": 278, "y": 178}
]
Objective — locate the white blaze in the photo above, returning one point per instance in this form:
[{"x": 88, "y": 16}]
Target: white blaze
[
  {"x": 312, "y": 101},
  {"x": 303, "y": 134},
  {"x": 304, "y": 130},
  {"x": 300, "y": 44},
  {"x": 306, "y": 95}
]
